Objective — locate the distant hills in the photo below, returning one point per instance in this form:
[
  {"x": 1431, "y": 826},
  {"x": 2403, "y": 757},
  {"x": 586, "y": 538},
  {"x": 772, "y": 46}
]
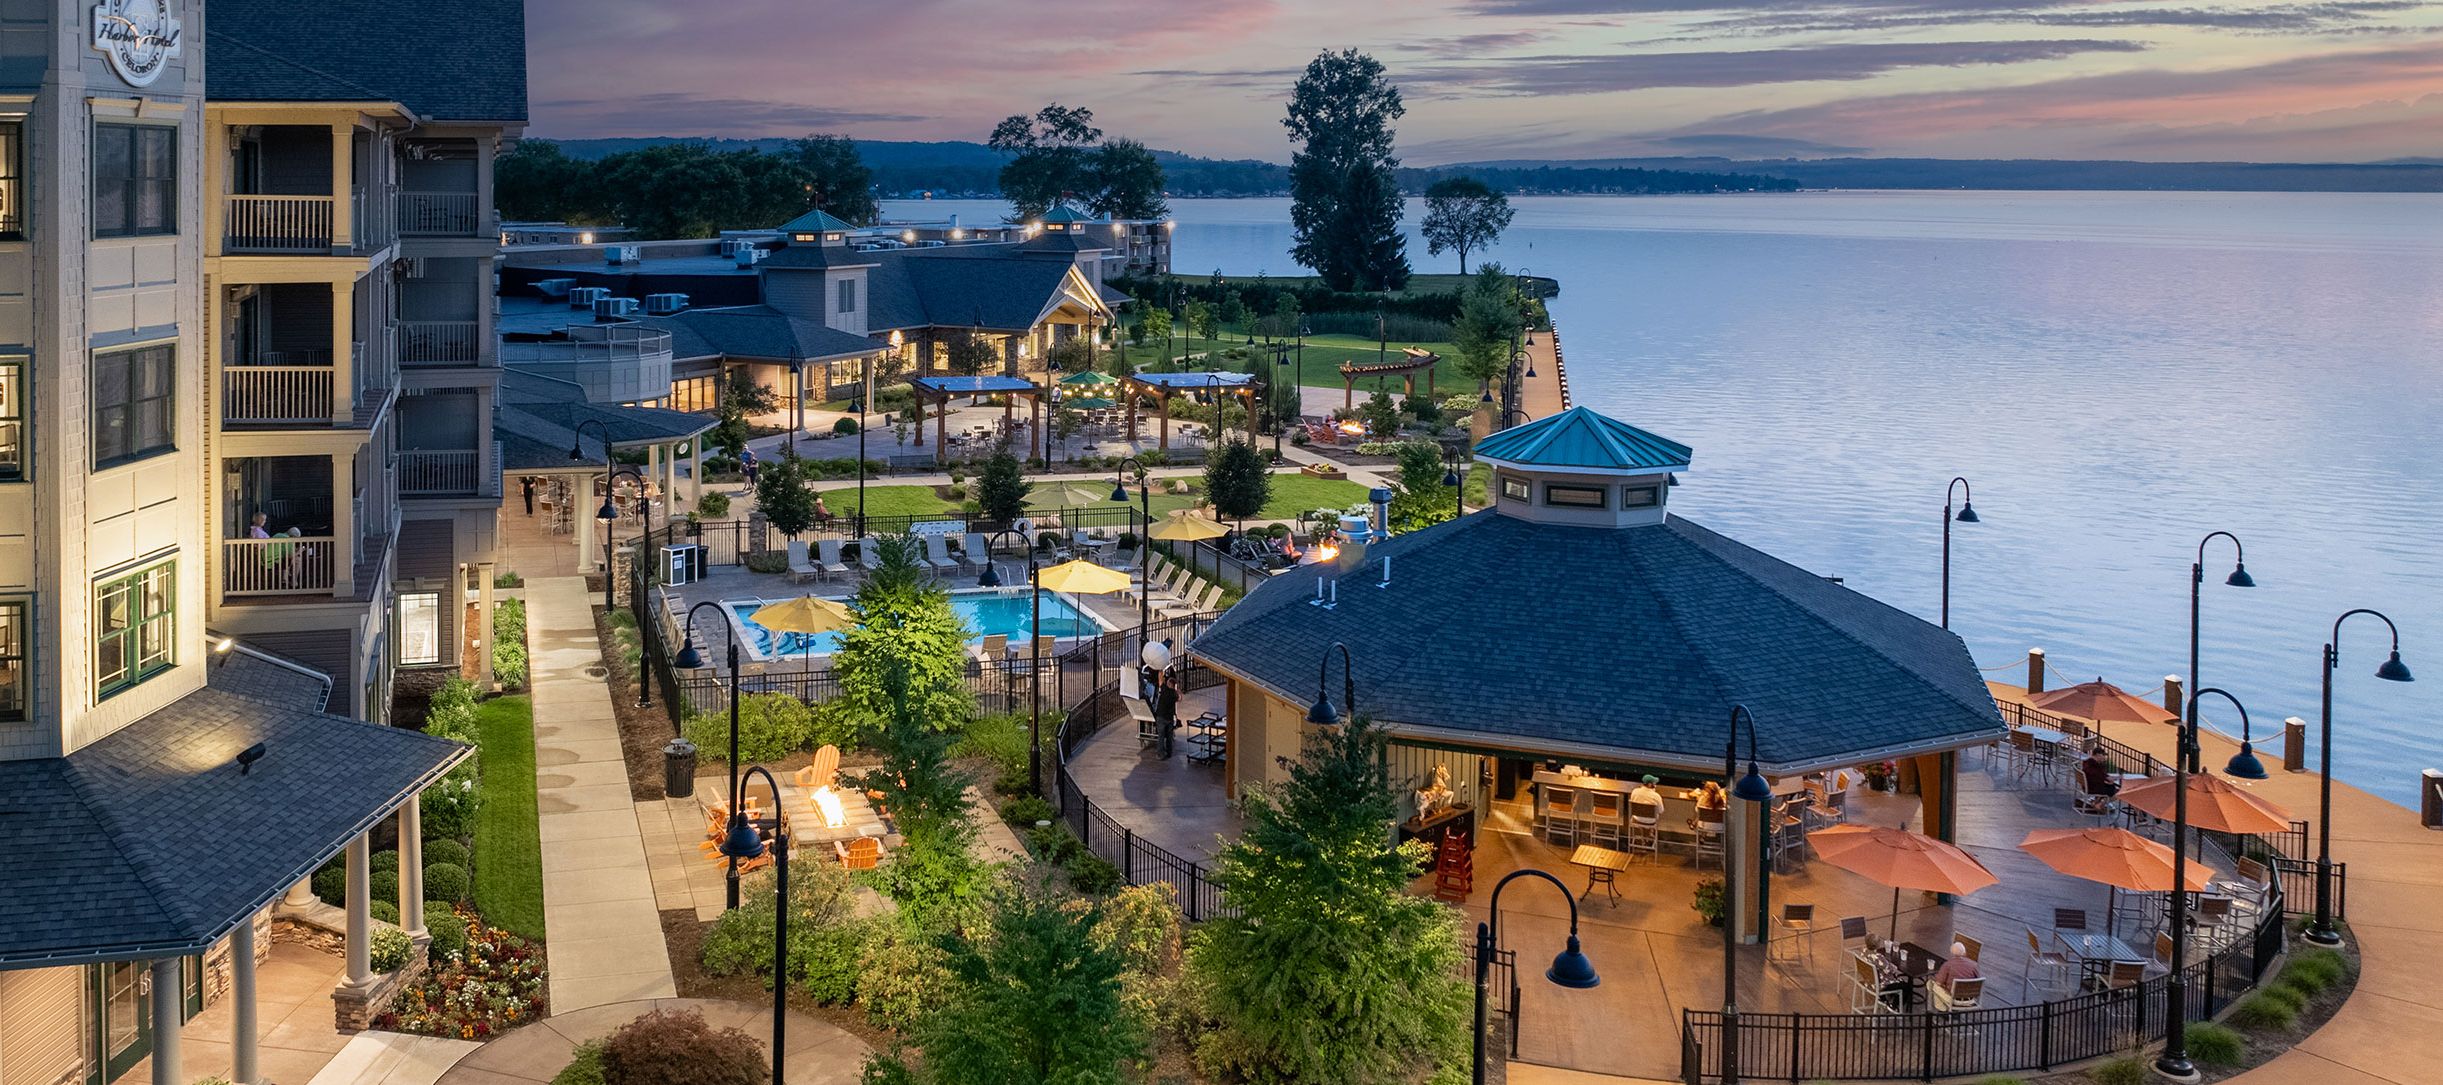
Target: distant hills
[{"x": 954, "y": 168}]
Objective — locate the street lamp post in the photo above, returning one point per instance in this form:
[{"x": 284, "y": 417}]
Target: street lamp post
[
  {"x": 743, "y": 842},
  {"x": 1570, "y": 968},
  {"x": 1145, "y": 539},
  {"x": 1323, "y": 713},
  {"x": 689, "y": 659},
  {"x": 797, "y": 396},
  {"x": 1966, "y": 515},
  {"x": 1034, "y": 671},
  {"x": 2174, "y": 1062},
  {"x": 608, "y": 513},
  {"x": 2239, "y": 578},
  {"x": 1749, "y": 788},
  {"x": 2392, "y": 670},
  {"x": 1455, "y": 457}
]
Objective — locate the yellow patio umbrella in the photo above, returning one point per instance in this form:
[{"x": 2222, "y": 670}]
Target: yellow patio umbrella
[
  {"x": 1184, "y": 526},
  {"x": 804, "y": 614},
  {"x": 1082, "y": 577}
]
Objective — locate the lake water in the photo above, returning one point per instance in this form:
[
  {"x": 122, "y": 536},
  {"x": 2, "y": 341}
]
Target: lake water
[{"x": 2117, "y": 374}]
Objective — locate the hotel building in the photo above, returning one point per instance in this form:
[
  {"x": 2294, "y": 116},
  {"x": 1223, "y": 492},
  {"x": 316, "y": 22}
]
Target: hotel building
[{"x": 245, "y": 263}]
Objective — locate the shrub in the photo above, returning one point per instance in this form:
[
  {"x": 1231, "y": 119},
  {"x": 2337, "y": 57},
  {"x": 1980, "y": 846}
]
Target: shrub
[
  {"x": 2001, "y": 1079},
  {"x": 385, "y": 885},
  {"x": 584, "y": 1066},
  {"x": 713, "y": 506},
  {"x": 509, "y": 580},
  {"x": 2271, "y": 1009},
  {"x": 1002, "y": 738},
  {"x": 331, "y": 885},
  {"x": 445, "y": 881},
  {"x": 390, "y": 948},
  {"x": 846, "y": 427},
  {"x": 1052, "y": 844},
  {"x": 903, "y": 977},
  {"x": 448, "y": 930},
  {"x": 449, "y": 806},
  {"x": 1026, "y": 810},
  {"x": 826, "y": 938},
  {"x": 437, "y": 852},
  {"x": 2322, "y": 968},
  {"x": 771, "y": 726},
  {"x": 385, "y": 910},
  {"x": 2125, "y": 1070},
  {"x": 887, "y": 1069},
  {"x": 677, "y": 1047},
  {"x": 2218, "y": 1046},
  {"x": 1094, "y": 875},
  {"x": 451, "y": 714},
  {"x": 769, "y": 562},
  {"x": 385, "y": 861},
  {"x": 509, "y": 643}
]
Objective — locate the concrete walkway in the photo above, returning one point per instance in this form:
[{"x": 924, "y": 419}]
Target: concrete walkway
[
  {"x": 603, "y": 935},
  {"x": 393, "y": 1058},
  {"x": 820, "y": 1053}
]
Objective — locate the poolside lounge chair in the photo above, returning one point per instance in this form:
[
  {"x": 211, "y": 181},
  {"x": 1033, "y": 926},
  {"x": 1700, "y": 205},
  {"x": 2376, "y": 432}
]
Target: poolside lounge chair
[
  {"x": 1200, "y": 600},
  {"x": 800, "y": 569},
  {"x": 976, "y": 551},
  {"x": 937, "y": 554},
  {"x": 827, "y": 558},
  {"x": 869, "y": 553},
  {"x": 991, "y": 651}
]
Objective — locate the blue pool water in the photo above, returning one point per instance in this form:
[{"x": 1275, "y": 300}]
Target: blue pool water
[{"x": 984, "y": 613}]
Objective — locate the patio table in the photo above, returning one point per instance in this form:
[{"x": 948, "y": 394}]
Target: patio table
[
  {"x": 1603, "y": 866},
  {"x": 1917, "y": 963},
  {"x": 2095, "y": 950}
]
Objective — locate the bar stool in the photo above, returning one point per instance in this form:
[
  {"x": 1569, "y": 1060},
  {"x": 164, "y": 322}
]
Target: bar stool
[
  {"x": 1709, "y": 830},
  {"x": 1602, "y": 821},
  {"x": 1797, "y": 925},
  {"x": 1561, "y": 814},
  {"x": 1645, "y": 829}
]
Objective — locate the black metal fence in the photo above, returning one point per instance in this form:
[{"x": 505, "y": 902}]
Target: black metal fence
[
  {"x": 1141, "y": 862},
  {"x": 2004, "y": 1039}
]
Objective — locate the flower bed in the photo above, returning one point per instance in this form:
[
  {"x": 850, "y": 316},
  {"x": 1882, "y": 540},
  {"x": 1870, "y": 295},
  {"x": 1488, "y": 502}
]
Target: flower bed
[{"x": 495, "y": 986}]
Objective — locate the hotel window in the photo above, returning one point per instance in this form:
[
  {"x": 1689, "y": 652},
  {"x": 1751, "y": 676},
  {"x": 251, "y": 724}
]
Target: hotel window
[
  {"x": 12, "y": 419},
  {"x": 1640, "y": 497},
  {"x": 135, "y": 180},
  {"x": 1514, "y": 489},
  {"x": 14, "y": 677},
  {"x": 848, "y": 295},
  {"x": 133, "y": 407},
  {"x": 1575, "y": 497},
  {"x": 12, "y": 182},
  {"x": 135, "y": 628},
  {"x": 419, "y": 628}
]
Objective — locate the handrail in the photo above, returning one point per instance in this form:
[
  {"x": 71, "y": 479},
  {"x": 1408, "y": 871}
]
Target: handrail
[
  {"x": 282, "y": 565},
  {"x": 257, "y": 222}
]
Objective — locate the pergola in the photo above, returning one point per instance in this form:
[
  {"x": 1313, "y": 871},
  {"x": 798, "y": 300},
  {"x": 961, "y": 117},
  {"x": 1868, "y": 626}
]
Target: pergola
[
  {"x": 1162, "y": 386},
  {"x": 1411, "y": 360},
  {"x": 941, "y": 390}
]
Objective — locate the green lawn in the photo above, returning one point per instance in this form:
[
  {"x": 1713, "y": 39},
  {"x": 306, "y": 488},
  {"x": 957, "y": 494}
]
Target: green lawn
[
  {"x": 508, "y": 841},
  {"x": 1321, "y": 367},
  {"x": 888, "y": 501},
  {"x": 1292, "y": 493}
]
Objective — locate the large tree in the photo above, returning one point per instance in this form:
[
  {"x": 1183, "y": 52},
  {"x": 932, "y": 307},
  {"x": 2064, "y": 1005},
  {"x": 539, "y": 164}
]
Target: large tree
[
  {"x": 742, "y": 399},
  {"x": 1332, "y": 971},
  {"x": 1038, "y": 1002},
  {"x": 1488, "y": 324},
  {"x": 1237, "y": 480},
  {"x": 687, "y": 190},
  {"x": 840, "y": 182},
  {"x": 540, "y": 182},
  {"x": 1345, "y": 209},
  {"x": 1001, "y": 490},
  {"x": 1127, "y": 182},
  {"x": 1050, "y": 156},
  {"x": 1463, "y": 214},
  {"x": 784, "y": 496},
  {"x": 969, "y": 354}
]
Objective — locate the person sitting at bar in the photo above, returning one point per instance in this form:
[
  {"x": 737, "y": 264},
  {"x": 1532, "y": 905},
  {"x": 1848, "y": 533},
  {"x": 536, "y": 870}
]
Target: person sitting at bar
[
  {"x": 2097, "y": 780},
  {"x": 1712, "y": 797},
  {"x": 1645, "y": 792},
  {"x": 1960, "y": 966}
]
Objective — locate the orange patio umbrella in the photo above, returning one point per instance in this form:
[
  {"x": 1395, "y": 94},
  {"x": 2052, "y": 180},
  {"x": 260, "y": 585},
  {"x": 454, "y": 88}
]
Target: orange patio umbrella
[
  {"x": 1900, "y": 859},
  {"x": 2214, "y": 803},
  {"x": 2115, "y": 857},
  {"x": 2102, "y": 702}
]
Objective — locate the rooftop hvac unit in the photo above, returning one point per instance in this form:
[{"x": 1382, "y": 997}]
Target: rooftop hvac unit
[
  {"x": 554, "y": 288},
  {"x": 665, "y": 304},
  {"x": 731, "y": 246},
  {"x": 622, "y": 254},
  {"x": 584, "y": 297},
  {"x": 614, "y": 308},
  {"x": 749, "y": 256}
]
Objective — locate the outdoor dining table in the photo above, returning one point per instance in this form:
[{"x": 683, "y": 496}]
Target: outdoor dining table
[
  {"x": 1603, "y": 867},
  {"x": 2095, "y": 950}
]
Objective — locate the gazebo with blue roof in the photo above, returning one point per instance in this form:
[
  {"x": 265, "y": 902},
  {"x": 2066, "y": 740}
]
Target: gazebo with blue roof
[
  {"x": 1576, "y": 621},
  {"x": 1160, "y": 387}
]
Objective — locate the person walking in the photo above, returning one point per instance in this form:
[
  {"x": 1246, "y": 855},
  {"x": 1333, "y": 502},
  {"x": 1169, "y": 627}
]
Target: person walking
[
  {"x": 746, "y": 463},
  {"x": 1166, "y": 710},
  {"x": 525, "y": 489}
]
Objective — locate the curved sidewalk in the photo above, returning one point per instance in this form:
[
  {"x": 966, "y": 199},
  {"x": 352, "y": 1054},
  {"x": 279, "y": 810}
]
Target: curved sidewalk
[{"x": 820, "y": 1053}]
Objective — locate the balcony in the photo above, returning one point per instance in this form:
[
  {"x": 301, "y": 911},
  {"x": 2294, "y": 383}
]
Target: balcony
[
  {"x": 276, "y": 395},
  {"x": 614, "y": 363},
  {"x": 440, "y": 342},
  {"x": 439, "y": 214},
  {"x": 277, "y": 224},
  {"x": 301, "y": 565},
  {"x": 427, "y": 472}
]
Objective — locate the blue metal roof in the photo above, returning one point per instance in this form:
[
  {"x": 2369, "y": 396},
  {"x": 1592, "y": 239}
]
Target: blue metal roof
[
  {"x": 972, "y": 386},
  {"x": 1191, "y": 381},
  {"x": 817, "y": 221},
  {"x": 1582, "y": 438}
]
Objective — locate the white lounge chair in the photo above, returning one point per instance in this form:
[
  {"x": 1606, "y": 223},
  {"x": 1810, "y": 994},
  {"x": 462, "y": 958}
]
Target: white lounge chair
[
  {"x": 827, "y": 558},
  {"x": 976, "y": 551},
  {"x": 869, "y": 553},
  {"x": 937, "y": 554},
  {"x": 800, "y": 569}
]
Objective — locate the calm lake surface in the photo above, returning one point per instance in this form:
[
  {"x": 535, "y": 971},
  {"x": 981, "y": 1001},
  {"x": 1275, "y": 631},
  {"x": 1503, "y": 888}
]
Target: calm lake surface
[{"x": 2117, "y": 374}]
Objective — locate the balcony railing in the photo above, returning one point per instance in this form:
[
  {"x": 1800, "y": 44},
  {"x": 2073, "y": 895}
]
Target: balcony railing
[
  {"x": 439, "y": 214},
  {"x": 274, "y": 395},
  {"x": 278, "y": 224},
  {"x": 440, "y": 342},
  {"x": 278, "y": 566},
  {"x": 426, "y": 472},
  {"x": 372, "y": 217}
]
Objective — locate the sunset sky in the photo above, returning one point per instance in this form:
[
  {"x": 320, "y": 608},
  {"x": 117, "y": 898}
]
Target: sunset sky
[{"x": 2337, "y": 80}]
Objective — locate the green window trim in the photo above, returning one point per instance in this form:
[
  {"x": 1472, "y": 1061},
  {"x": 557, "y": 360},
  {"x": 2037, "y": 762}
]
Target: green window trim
[
  {"x": 135, "y": 628},
  {"x": 1640, "y": 497}
]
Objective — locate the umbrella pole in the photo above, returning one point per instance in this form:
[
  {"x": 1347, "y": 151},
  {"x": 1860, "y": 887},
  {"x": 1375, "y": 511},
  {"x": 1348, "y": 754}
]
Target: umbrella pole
[{"x": 1895, "y": 912}]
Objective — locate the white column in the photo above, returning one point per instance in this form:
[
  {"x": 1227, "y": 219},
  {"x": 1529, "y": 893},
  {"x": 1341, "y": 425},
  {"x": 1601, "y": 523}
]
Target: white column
[
  {"x": 360, "y": 912},
  {"x": 695, "y": 470},
  {"x": 300, "y": 895},
  {"x": 344, "y": 377},
  {"x": 343, "y": 175},
  {"x": 484, "y": 577},
  {"x": 344, "y": 530},
  {"x": 169, "y": 1004},
  {"x": 581, "y": 518},
  {"x": 242, "y": 1040},
  {"x": 411, "y": 867}
]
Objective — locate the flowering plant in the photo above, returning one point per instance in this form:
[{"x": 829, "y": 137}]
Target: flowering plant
[{"x": 495, "y": 986}]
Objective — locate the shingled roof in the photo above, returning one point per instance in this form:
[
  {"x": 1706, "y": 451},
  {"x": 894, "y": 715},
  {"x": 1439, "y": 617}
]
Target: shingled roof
[
  {"x": 449, "y": 60},
  {"x": 1621, "y": 644},
  {"x": 1000, "y": 287},
  {"x": 756, "y": 331},
  {"x": 151, "y": 843}
]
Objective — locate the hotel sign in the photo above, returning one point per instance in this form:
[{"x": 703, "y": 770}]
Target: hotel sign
[{"x": 137, "y": 37}]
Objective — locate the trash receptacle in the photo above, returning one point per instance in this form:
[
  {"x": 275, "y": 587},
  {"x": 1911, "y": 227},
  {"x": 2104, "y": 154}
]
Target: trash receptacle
[
  {"x": 679, "y": 769},
  {"x": 2430, "y": 799}
]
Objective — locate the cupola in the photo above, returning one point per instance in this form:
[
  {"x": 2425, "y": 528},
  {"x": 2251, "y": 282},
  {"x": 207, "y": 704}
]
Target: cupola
[{"x": 1582, "y": 468}]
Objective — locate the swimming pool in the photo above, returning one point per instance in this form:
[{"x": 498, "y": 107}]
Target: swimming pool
[{"x": 985, "y": 612}]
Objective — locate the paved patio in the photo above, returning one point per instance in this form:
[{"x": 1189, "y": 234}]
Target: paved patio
[
  {"x": 293, "y": 1018},
  {"x": 820, "y": 1053}
]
